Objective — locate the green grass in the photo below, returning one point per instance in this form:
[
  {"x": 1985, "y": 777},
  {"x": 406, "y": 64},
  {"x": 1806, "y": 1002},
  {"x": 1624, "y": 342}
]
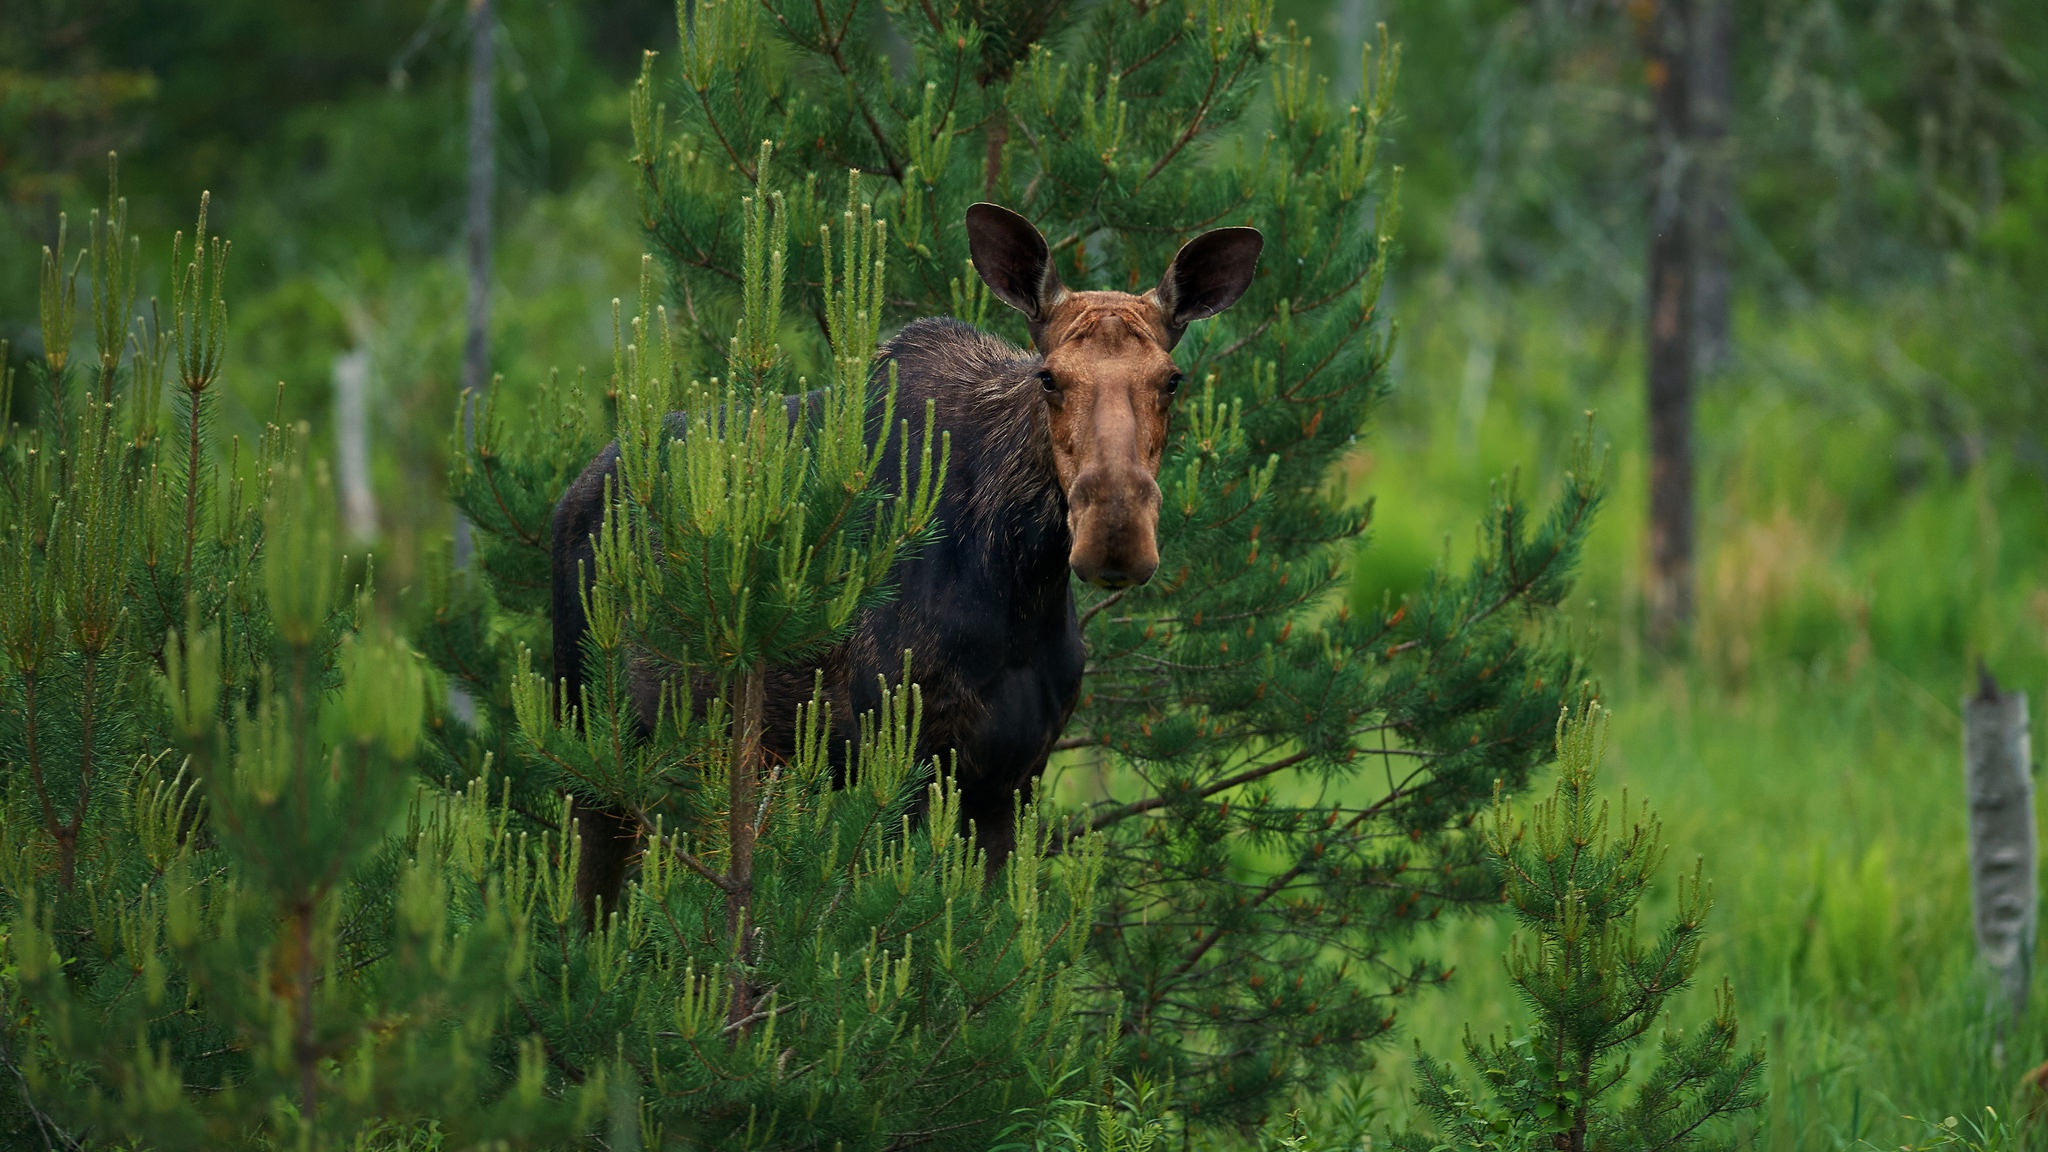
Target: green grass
[{"x": 1810, "y": 748}]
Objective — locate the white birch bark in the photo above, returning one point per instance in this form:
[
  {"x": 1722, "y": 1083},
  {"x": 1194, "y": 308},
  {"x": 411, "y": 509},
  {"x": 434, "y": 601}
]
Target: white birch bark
[
  {"x": 1997, "y": 762},
  {"x": 352, "y": 443}
]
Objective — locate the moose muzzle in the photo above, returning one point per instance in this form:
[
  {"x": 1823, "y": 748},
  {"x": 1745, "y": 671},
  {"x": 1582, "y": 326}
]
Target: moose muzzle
[{"x": 1113, "y": 515}]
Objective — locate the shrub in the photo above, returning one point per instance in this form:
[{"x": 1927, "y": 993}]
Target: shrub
[{"x": 1593, "y": 988}]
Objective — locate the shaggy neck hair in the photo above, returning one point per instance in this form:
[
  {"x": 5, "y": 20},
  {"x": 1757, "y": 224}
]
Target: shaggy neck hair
[{"x": 1002, "y": 485}]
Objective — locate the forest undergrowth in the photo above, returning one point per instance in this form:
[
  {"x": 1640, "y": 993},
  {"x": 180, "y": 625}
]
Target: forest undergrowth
[{"x": 1810, "y": 746}]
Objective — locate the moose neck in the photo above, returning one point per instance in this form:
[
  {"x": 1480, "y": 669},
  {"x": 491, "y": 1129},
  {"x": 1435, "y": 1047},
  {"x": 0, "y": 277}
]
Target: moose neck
[
  {"x": 1003, "y": 492},
  {"x": 1002, "y": 514}
]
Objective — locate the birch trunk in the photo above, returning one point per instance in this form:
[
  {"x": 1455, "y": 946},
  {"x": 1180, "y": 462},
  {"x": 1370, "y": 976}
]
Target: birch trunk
[
  {"x": 1997, "y": 761},
  {"x": 352, "y": 443}
]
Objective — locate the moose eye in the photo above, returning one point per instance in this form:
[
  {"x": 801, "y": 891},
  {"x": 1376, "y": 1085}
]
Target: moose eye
[
  {"x": 1045, "y": 380},
  {"x": 1173, "y": 384}
]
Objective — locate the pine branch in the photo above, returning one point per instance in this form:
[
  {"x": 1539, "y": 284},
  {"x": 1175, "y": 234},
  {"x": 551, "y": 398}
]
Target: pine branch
[
  {"x": 686, "y": 859},
  {"x": 1152, "y": 803},
  {"x": 53, "y": 1135}
]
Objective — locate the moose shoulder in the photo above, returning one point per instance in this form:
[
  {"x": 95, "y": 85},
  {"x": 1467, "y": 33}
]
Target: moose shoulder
[{"x": 1053, "y": 471}]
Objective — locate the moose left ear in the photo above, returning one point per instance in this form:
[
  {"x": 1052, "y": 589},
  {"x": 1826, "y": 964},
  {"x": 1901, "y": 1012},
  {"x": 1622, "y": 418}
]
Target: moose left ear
[
  {"x": 1208, "y": 275},
  {"x": 1013, "y": 259}
]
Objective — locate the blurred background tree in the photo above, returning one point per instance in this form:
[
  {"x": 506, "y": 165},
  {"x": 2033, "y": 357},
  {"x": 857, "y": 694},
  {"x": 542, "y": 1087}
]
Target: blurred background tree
[{"x": 324, "y": 135}]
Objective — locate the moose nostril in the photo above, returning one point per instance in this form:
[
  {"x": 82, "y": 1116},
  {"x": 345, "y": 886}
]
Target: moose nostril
[{"x": 1116, "y": 577}]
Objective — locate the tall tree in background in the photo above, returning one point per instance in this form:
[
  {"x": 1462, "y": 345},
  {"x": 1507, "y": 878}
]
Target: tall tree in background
[
  {"x": 476, "y": 342},
  {"x": 1712, "y": 99},
  {"x": 1686, "y": 48},
  {"x": 1672, "y": 282}
]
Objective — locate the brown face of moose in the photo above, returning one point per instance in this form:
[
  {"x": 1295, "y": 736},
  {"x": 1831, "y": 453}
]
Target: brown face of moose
[{"x": 1109, "y": 379}]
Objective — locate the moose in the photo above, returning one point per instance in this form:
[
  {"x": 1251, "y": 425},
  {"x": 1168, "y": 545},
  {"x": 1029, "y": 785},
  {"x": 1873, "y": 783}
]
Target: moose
[{"x": 1055, "y": 455}]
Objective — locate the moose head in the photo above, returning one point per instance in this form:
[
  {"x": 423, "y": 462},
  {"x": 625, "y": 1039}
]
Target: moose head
[{"x": 1109, "y": 380}]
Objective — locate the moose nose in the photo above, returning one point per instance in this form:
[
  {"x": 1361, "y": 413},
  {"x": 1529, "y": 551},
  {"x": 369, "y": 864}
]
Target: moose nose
[
  {"x": 1119, "y": 575},
  {"x": 1113, "y": 514}
]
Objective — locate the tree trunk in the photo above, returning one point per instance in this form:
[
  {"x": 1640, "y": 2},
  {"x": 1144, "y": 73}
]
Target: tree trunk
[
  {"x": 1711, "y": 109},
  {"x": 743, "y": 788},
  {"x": 352, "y": 442},
  {"x": 1998, "y": 764},
  {"x": 1669, "y": 591},
  {"x": 476, "y": 344}
]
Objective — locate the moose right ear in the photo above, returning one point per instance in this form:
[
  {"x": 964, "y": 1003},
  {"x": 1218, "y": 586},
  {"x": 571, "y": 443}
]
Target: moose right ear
[
  {"x": 1208, "y": 275},
  {"x": 1012, "y": 258}
]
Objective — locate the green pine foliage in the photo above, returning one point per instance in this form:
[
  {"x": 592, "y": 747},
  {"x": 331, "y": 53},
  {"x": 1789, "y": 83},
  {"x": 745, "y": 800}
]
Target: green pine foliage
[
  {"x": 231, "y": 920},
  {"x": 236, "y": 915},
  {"x": 885, "y": 994},
  {"x": 1294, "y": 783},
  {"x": 794, "y": 965},
  {"x": 1594, "y": 988},
  {"x": 263, "y": 885}
]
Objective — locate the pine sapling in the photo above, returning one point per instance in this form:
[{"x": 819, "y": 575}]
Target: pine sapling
[
  {"x": 1286, "y": 785},
  {"x": 228, "y": 916},
  {"x": 1594, "y": 989}
]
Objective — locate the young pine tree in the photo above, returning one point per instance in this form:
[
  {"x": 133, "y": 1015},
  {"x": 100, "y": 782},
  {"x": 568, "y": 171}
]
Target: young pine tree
[
  {"x": 234, "y": 917},
  {"x": 230, "y": 918},
  {"x": 795, "y": 964},
  {"x": 1292, "y": 785},
  {"x": 1595, "y": 991}
]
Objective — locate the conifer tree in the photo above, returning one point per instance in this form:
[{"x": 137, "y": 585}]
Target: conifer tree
[
  {"x": 827, "y": 970},
  {"x": 1594, "y": 989},
  {"x": 1295, "y": 782},
  {"x": 235, "y": 917},
  {"x": 230, "y": 919}
]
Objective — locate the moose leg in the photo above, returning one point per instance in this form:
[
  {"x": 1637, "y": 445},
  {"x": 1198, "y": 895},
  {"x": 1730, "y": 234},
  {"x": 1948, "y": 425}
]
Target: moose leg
[
  {"x": 995, "y": 823},
  {"x": 995, "y": 829},
  {"x": 608, "y": 837},
  {"x": 609, "y": 840}
]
